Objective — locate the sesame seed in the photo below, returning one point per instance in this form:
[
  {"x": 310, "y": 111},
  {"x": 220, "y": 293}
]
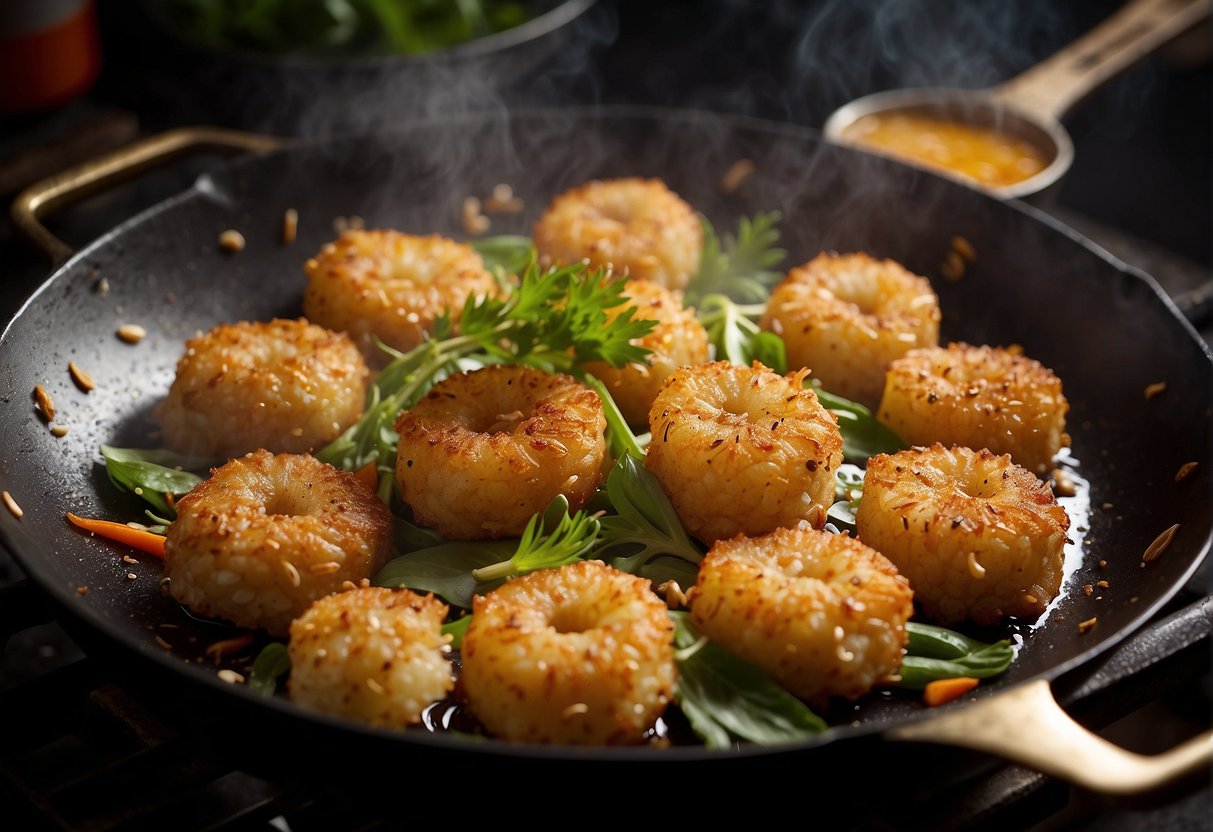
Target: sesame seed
[
  {"x": 290, "y": 225},
  {"x": 59, "y": 431},
  {"x": 230, "y": 676},
  {"x": 1085, "y": 626},
  {"x": 102, "y": 286},
  {"x": 131, "y": 333},
  {"x": 326, "y": 568},
  {"x": 576, "y": 709},
  {"x": 82, "y": 379},
  {"x": 736, "y": 175},
  {"x": 1155, "y": 389},
  {"x": 129, "y": 559},
  {"x": 1159, "y": 545},
  {"x": 46, "y": 405},
  {"x": 375, "y": 687},
  {"x": 130, "y": 576},
  {"x": 1185, "y": 471},
  {"x": 11, "y": 504},
  {"x": 231, "y": 240}
]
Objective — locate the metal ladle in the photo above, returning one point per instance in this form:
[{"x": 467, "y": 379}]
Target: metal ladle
[{"x": 1031, "y": 105}]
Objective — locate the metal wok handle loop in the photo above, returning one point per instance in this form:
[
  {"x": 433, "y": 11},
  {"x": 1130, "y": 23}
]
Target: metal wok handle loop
[
  {"x": 1027, "y": 726},
  {"x": 79, "y": 181}
]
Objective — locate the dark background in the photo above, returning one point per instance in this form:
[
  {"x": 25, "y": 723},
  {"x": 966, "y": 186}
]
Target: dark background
[{"x": 1141, "y": 184}]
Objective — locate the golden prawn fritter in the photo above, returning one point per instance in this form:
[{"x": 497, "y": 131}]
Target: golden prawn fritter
[
  {"x": 581, "y": 655},
  {"x": 978, "y": 536},
  {"x": 678, "y": 340},
  {"x": 743, "y": 450},
  {"x": 822, "y": 613},
  {"x": 487, "y": 449},
  {"x": 264, "y": 536},
  {"x": 846, "y": 316},
  {"x": 391, "y": 286},
  {"x": 637, "y": 227},
  {"x": 978, "y": 397},
  {"x": 287, "y": 386},
  {"x": 376, "y": 655}
]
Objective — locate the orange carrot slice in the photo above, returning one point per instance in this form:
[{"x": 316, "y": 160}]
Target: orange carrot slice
[
  {"x": 942, "y": 691},
  {"x": 148, "y": 542}
]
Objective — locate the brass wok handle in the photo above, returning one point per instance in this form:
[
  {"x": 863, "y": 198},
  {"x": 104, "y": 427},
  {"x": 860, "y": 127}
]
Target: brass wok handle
[
  {"x": 1025, "y": 725},
  {"x": 79, "y": 181}
]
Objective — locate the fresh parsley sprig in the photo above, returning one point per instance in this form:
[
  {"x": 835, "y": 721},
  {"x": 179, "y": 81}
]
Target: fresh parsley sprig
[
  {"x": 571, "y": 537},
  {"x": 742, "y": 266},
  {"x": 555, "y": 320}
]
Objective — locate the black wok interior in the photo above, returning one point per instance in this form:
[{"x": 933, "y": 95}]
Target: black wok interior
[{"x": 1105, "y": 329}]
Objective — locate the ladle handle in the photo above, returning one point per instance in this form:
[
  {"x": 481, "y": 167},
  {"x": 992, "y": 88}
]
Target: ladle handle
[{"x": 1049, "y": 89}]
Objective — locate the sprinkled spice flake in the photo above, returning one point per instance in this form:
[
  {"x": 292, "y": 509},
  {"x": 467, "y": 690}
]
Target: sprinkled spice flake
[
  {"x": 290, "y": 226},
  {"x": 82, "y": 590},
  {"x": 44, "y": 403},
  {"x": 1154, "y": 550},
  {"x": 131, "y": 333},
  {"x": 1185, "y": 471},
  {"x": 82, "y": 379},
  {"x": 736, "y": 175},
  {"x": 1155, "y": 389},
  {"x": 11, "y": 505},
  {"x": 227, "y": 646},
  {"x": 231, "y": 240},
  {"x": 1086, "y": 626}
]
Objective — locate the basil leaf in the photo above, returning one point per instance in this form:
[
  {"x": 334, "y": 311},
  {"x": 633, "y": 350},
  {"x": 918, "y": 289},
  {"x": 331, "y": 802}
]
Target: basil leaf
[
  {"x": 272, "y": 662},
  {"x": 938, "y": 653},
  {"x": 446, "y": 569},
  {"x": 645, "y": 525},
  {"x": 727, "y": 699},
  {"x": 152, "y": 473},
  {"x": 863, "y": 436}
]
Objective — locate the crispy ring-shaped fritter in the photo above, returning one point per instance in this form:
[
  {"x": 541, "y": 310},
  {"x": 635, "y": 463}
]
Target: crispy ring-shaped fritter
[
  {"x": 678, "y": 340},
  {"x": 978, "y": 397},
  {"x": 822, "y": 613},
  {"x": 392, "y": 286},
  {"x": 978, "y": 536},
  {"x": 637, "y": 227},
  {"x": 743, "y": 450},
  {"x": 486, "y": 450},
  {"x": 376, "y": 655},
  {"x": 578, "y": 655},
  {"x": 846, "y": 316},
  {"x": 267, "y": 535},
  {"x": 284, "y": 385}
]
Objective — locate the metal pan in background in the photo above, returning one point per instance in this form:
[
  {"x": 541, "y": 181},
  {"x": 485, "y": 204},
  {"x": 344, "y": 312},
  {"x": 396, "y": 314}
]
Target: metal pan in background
[{"x": 1106, "y": 329}]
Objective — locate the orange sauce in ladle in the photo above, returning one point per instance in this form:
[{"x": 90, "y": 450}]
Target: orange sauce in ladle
[{"x": 981, "y": 154}]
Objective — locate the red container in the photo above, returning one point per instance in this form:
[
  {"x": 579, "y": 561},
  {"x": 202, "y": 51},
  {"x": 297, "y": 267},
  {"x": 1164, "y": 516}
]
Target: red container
[{"x": 50, "y": 52}]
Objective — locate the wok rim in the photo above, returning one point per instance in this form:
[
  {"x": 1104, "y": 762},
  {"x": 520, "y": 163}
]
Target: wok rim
[{"x": 67, "y": 601}]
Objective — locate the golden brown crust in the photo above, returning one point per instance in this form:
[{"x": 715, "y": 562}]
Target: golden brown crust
[
  {"x": 743, "y": 450},
  {"x": 265, "y": 536},
  {"x": 822, "y": 613},
  {"x": 486, "y": 450},
  {"x": 582, "y": 654},
  {"x": 392, "y": 286},
  {"x": 285, "y": 385},
  {"x": 977, "y": 397},
  {"x": 846, "y": 316},
  {"x": 637, "y": 227},
  {"x": 978, "y": 536}
]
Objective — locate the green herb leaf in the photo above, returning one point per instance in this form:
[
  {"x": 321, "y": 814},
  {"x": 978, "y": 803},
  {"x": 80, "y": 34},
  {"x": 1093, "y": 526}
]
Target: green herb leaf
[
  {"x": 938, "y": 653},
  {"x": 863, "y": 436},
  {"x": 570, "y": 539},
  {"x": 152, "y": 473},
  {"x": 727, "y": 699},
  {"x": 455, "y": 629},
  {"x": 741, "y": 267},
  {"x": 271, "y": 663},
  {"x": 619, "y": 437},
  {"x": 645, "y": 525},
  {"x": 446, "y": 569},
  {"x": 848, "y": 489},
  {"x": 662, "y": 569},
  {"x": 509, "y": 253},
  {"x": 736, "y": 337}
]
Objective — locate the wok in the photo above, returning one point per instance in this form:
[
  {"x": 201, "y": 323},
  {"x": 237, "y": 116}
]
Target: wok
[{"x": 1105, "y": 328}]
